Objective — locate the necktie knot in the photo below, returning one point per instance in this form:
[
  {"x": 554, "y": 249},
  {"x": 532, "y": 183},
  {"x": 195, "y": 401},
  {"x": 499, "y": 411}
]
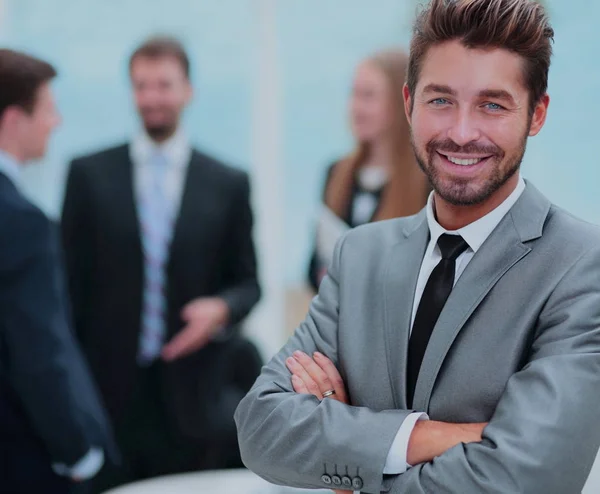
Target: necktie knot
[{"x": 451, "y": 246}]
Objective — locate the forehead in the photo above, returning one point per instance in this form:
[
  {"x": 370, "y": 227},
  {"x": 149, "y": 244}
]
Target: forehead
[
  {"x": 164, "y": 66},
  {"x": 468, "y": 71}
]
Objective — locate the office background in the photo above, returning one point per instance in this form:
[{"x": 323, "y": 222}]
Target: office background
[{"x": 272, "y": 79}]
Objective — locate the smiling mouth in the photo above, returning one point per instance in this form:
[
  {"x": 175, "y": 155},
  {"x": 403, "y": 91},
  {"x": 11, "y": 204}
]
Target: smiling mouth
[{"x": 464, "y": 161}]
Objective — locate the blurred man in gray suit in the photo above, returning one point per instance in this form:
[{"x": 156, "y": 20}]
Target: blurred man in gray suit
[{"x": 467, "y": 336}]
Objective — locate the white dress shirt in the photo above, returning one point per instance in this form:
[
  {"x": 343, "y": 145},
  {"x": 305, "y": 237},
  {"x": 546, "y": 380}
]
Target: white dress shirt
[
  {"x": 92, "y": 461},
  {"x": 176, "y": 150},
  {"x": 475, "y": 234}
]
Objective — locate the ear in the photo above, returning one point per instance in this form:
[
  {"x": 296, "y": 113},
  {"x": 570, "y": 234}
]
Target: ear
[
  {"x": 539, "y": 115},
  {"x": 10, "y": 117},
  {"x": 407, "y": 103}
]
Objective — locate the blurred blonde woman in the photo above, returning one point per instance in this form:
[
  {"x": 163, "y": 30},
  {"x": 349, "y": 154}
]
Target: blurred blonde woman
[{"x": 381, "y": 178}]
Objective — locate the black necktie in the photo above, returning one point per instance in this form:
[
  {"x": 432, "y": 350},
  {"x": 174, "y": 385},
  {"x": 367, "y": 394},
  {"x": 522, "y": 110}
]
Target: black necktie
[{"x": 436, "y": 292}]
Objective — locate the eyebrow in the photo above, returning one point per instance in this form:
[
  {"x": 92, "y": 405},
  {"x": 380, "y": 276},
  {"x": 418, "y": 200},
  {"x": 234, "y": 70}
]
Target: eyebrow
[
  {"x": 439, "y": 88},
  {"x": 497, "y": 94}
]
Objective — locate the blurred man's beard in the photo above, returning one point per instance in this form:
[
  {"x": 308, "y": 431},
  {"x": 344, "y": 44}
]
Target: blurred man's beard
[{"x": 160, "y": 132}]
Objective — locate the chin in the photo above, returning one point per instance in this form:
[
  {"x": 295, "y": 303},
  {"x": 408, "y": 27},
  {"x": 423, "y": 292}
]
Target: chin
[{"x": 160, "y": 131}]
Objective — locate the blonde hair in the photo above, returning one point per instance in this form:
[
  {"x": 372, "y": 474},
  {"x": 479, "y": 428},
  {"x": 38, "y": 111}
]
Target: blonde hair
[{"x": 408, "y": 187}]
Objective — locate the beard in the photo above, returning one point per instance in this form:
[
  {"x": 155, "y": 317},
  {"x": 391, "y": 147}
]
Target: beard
[
  {"x": 160, "y": 130},
  {"x": 464, "y": 191},
  {"x": 160, "y": 133}
]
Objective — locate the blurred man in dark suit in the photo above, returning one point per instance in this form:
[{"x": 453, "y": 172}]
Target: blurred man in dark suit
[
  {"x": 53, "y": 430},
  {"x": 162, "y": 270}
]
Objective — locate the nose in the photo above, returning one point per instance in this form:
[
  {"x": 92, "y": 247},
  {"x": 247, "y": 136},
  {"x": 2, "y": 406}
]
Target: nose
[{"x": 464, "y": 128}]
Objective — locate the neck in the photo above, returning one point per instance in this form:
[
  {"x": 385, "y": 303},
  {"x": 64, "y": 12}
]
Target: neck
[
  {"x": 453, "y": 217},
  {"x": 8, "y": 146}
]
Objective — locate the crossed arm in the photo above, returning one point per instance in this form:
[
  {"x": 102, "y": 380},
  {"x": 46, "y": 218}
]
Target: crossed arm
[
  {"x": 319, "y": 377},
  {"x": 542, "y": 438}
]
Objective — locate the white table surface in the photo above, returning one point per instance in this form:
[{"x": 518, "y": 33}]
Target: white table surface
[
  {"x": 212, "y": 482},
  {"x": 245, "y": 482}
]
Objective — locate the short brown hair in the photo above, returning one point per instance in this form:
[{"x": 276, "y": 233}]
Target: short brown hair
[
  {"x": 163, "y": 46},
  {"x": 520, "y": 26},
  {"x": 21, "y": 76}
]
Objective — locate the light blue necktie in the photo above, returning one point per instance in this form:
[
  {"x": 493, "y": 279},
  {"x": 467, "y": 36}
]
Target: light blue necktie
[{"x": 156, "y": 219}]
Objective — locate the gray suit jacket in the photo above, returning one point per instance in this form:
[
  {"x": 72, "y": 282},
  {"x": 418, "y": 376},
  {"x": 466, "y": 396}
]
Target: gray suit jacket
[{"x": 517, "y": 344}]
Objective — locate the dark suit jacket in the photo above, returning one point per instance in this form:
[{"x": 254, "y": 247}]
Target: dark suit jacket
[
  {"x": 49, "y": 409},
  {"x": 212, "y": 254}
]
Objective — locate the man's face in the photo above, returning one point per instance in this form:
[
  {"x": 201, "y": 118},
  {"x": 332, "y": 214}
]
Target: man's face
[
  {"x": 34, "y": 128},
  {"x": 470, "y": 121},
  {"x": 161, "y": 91}
]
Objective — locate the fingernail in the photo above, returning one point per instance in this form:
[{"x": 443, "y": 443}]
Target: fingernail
[
  {"x": 298, "y": 354},
  {"x": 318, "y": 355},
  {"x": 290, "y": 361}
]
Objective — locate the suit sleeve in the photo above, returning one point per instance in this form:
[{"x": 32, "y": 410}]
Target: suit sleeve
[
  {"x": 44, "y": 364},
  {"x": 544, "y": 435},
  {"x": 242, "y": 291},
  {"x": 293, "y": 439},
  {"x": 76, "y": 241}
]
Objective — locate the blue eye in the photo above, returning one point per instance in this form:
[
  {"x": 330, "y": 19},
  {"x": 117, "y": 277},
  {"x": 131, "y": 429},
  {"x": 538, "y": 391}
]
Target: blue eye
[
  {"x": 494, "y": 106},
  {"x": 439, "y": 101}
]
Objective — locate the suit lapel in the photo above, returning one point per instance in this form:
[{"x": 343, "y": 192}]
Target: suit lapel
[
  {"x": 500, "y": 252},
  {"x": 124, "y": 196},
  {"x": 401, "y": 279},
  {"x": 191, "y": 194}
]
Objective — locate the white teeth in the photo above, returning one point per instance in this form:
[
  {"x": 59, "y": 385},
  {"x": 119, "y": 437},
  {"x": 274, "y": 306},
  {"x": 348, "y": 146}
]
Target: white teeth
[{"x": 457, "y": 161}]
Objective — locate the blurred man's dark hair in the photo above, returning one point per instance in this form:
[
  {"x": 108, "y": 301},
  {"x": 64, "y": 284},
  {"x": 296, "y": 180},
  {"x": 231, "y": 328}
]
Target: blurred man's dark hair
[
  {"x": 21, "y": 76},
  {"x": 163, "y": 47}
]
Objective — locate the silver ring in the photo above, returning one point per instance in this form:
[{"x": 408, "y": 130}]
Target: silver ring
[{"x": 326, "y": 394}]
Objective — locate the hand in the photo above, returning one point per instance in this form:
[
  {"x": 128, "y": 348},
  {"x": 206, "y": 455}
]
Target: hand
[
  {"x": 315, "y": 376},
  {"x": 321, "y": 274},
  {"x": 430, "y": 439},
  {"x": 204, "y": 317}
]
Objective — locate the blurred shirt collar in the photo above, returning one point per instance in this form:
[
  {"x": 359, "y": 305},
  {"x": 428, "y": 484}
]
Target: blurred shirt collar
[
  {"x": 10, "y": 167},
  {"x": 176, "y": 149}
]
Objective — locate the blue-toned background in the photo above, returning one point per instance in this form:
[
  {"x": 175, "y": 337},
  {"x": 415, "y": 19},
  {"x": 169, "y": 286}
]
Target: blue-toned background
[
  {"x": 272, "y": 79},
  {"x": 89, "y": 41},
  {"x": 318, "y": 45}
]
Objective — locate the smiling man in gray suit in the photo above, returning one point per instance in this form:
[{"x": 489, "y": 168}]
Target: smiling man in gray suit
[{"x": 467, "y": 336}]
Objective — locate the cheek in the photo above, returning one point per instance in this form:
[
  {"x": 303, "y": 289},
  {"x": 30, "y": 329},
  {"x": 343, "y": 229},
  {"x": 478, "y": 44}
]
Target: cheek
[
  {"x": 425, "y": 127},
  {"x": 504, "y": 133},
  {"x": 173, "y": 100}
]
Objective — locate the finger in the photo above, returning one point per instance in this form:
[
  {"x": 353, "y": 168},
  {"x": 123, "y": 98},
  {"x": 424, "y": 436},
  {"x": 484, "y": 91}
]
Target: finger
[
  {"x": 299, "y": 386},
  {"x": 334, "y": 376},
  {"x": 314, "y": 371},
  {"x": 296, "y": 369},
  {"x": 187, "y": 341}
]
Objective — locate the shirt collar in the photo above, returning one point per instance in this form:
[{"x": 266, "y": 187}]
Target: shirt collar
[
  {"x": 10, "y": 167},
  {"x": 476, "y": 233},
  {"x": 176, "y": 149}
]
